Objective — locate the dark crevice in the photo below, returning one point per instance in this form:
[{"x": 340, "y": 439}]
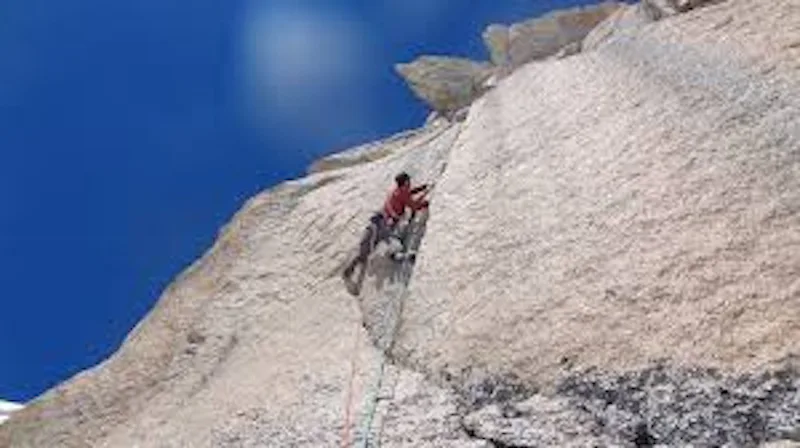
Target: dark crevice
[
  {"x": 392, "y": 277},
  {"x": 644, "y": 439},
  {"x": 381, "y": 313},
  {"x": 496, "y": 443}
]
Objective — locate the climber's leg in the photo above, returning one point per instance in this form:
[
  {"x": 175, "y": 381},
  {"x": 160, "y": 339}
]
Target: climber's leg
[{"x": 365, "y": 247}]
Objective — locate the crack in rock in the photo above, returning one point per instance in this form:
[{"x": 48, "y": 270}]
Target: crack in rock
[{"x": 496, "y": 443}]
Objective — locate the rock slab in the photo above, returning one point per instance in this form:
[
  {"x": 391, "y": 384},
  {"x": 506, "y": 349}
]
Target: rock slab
[
  {"x": 446, "y": 84},
  {"x": 611, "y": 258},
  {"x": 513, "y": 46}
]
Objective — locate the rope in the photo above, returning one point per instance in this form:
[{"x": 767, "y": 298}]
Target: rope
[
  {"x": 372, "y": 398},
  {"x": 372, "y": 404},
  {"x": 379, "y": 431},
  {"x": 413, "y": 237},
  {"x": 348, "y": 413}
]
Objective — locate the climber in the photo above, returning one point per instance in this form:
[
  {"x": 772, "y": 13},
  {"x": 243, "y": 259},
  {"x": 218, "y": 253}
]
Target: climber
[
  {"x": 403, "y": 197},
  {"x": 382, "y": 224}
]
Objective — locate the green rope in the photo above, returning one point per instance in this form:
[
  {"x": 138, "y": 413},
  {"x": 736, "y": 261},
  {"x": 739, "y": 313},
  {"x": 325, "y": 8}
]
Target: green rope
[
  {"x": 372, "y": 405},
  {"x": 371, "y": 401}
]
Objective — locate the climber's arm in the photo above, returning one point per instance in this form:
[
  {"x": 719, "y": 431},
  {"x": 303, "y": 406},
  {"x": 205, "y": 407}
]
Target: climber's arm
[
  {"x": 418, "y": 204},
  {"x": 419, "y": 189}
]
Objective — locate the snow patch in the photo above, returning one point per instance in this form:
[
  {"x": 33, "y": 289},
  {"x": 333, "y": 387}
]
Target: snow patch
[{"x": 6, "y": 408}]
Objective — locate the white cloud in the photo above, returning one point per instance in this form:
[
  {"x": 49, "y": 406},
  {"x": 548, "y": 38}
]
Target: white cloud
[{"x": 304, "y": 68}]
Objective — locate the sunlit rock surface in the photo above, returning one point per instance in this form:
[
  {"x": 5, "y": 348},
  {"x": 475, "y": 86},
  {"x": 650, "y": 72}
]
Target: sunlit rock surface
[
  {"x": 446, "y": 84},
  {"x": 511, "y": 46},
  {"x": 612, "y": 258}
]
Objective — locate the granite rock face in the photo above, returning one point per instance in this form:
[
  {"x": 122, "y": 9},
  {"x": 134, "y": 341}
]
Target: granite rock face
[
  {"x": 496, "y": 39},
  {"x": 612, "y": 258},
  {"x": 655, "y": 406},
  {"x": 373, "y": 151},
  {"x": 446, "y": 84},
  {"x": 629, "y": 17},
  {"x": 652, "y": 167},
  {"x": 513, "y": 46}
]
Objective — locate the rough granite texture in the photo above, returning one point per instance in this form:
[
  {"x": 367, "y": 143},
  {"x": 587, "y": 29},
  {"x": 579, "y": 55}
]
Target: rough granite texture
[
  {"x": 612, "y": 258},
  {"x": 377, "y": 150},
  {"x": 628, "y": 18},
  {"x": 515, "y": 45},
  {"x": 445, "y": 83}
]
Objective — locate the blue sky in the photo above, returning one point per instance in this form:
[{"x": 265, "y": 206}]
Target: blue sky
[{"x": 130, "y": 132}]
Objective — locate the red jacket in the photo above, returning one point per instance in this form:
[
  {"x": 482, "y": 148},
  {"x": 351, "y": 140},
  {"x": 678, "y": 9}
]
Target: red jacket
[{"x": 402, "y": 197}]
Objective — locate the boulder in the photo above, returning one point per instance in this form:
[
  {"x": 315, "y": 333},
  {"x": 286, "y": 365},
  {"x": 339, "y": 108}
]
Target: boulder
[
  {"x": 688, "y": 5},
  {"x": 446, "y": 84},
  {"x": 569, "y": 50},
  {"x": 626, "y": 18},
  {"x": 630, "y": 17},
  {"x": 496, "y": 39},
  {"x": 545, "y": 36},
  {"x": 658, "y": 9}
]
